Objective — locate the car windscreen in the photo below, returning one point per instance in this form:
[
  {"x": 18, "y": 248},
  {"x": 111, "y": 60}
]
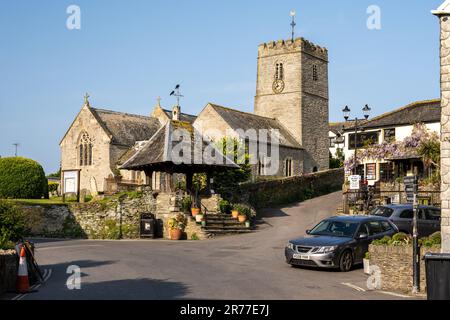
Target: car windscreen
[
  {"x": 335, "y": 228},
  {"x": 382, "y": 212}
]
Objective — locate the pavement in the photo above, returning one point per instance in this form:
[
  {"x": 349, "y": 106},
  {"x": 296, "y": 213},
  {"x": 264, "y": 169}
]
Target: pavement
[{"x": 248, "y": 266}]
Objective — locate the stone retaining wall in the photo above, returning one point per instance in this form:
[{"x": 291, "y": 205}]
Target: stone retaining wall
[
  {"x": 283, "y": 191},
  {"x": 395, "y": 263},
  {"x": 8, "y": 270},
  {"x": 114, "y": 218}
]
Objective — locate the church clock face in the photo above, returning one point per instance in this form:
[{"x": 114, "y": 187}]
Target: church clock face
[{"x": 278, "y": 86}]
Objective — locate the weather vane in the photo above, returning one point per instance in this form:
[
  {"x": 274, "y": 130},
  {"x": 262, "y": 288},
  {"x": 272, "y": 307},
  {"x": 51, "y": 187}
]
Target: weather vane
[
  {"x": 293, "y": 24},
  {"x": 176, "y": 93}
]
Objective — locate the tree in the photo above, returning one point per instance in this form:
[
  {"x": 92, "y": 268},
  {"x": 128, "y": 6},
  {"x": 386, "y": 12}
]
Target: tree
[
  {"x": 229, "y": 179},
  {"x": 22, "y": 178}
]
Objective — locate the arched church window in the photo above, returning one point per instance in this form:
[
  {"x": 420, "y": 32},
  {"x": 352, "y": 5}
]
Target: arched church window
[{"x": 85, "y": 149}]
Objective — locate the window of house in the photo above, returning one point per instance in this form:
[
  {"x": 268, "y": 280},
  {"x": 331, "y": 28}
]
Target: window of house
[
  {"x": 315, "y": 73},
  {"x": 386, "y": 172},
  {"x": 288, "y": 167},
  {"x": 85, "y": 150},
  {"x": 389, "y": 135},
  {"x": 364, "y": 139}
]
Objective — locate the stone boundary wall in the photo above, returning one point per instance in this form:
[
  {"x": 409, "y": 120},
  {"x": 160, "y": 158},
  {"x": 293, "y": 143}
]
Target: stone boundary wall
[
  {"x": 117, "y": 218},
  {"x": 289, "y": 190},
  {"x": 395, "y": 263},
  {"x": 8, "y": 270}
]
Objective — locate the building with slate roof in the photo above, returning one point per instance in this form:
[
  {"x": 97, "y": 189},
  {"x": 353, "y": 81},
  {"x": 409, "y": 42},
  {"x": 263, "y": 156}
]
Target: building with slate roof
[
  {"x": 390, "y": 127},
  {"x": 290, "y": 116}
]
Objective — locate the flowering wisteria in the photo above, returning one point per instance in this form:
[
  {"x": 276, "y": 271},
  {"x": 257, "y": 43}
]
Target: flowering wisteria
[{"x": 399, "y": 149}]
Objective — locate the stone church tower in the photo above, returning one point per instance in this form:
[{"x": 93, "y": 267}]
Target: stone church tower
[{"x": 292, "y": 87}]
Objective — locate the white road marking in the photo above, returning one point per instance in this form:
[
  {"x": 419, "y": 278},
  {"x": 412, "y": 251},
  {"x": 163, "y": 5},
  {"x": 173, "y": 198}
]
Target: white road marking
[
  {"x": 354, "y": 287},
  {"x": 46, "y": 275}
]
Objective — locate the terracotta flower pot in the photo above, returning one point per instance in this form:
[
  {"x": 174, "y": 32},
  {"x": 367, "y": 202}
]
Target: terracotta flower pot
[
  {"x": 235, "y": 214},
  {"x": 195, "y": 211},
  {"x": 242, "y": 218},
  {"x": 176, "y": 234}
]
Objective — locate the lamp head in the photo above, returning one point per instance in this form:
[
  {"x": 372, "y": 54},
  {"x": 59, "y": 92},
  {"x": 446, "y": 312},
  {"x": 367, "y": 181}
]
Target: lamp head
[{"x": 346, "y": 112}]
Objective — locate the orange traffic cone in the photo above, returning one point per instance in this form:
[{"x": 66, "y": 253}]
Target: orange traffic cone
[{"x": 22, "y": 283}]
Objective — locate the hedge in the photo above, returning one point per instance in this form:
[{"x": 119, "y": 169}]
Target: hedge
[
  {"x": 12, "y": 224},
  {"x": 22, "y": 178}
]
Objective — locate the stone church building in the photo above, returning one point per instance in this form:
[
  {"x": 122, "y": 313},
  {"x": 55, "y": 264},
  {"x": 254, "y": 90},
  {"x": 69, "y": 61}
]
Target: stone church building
[{"x": 291, "y": 97}]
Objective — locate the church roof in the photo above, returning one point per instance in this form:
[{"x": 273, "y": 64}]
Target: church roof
[
  {"x": 124, "y": 128},
  {"x": 183, "y": 116},
  {"x": 242, "y": 120},
  {"x": 156, "y": 153},
  {"x": 427, "y": 111}
]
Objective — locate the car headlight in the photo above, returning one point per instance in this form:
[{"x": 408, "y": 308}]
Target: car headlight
[
  {"x": 290, "y": 246},
  {"x": 326, "y": 249}
]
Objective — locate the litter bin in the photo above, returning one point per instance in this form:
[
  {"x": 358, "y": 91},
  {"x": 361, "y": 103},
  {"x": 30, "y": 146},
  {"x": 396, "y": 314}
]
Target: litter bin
[
  {"x": 147, "y": 225},
  {"x": 437, "y": 267}
]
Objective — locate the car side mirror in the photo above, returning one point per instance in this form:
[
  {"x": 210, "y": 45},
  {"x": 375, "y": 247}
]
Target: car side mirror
[
  {"x": 308, "y": 231},
  {"x": 363, "y": 236}
]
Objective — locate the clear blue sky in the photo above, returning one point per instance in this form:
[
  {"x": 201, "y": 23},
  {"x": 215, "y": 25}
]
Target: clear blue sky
[{"x": 129, "y": 52}]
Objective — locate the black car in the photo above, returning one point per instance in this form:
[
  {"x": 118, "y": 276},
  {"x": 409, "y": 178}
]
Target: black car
[
  {"x": 338, "y": 242},
  {"x": 428, "y": 222}
]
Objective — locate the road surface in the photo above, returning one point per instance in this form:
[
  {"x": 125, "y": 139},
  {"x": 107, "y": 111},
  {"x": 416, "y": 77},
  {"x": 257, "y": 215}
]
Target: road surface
[{"x": 249, "y": 266}]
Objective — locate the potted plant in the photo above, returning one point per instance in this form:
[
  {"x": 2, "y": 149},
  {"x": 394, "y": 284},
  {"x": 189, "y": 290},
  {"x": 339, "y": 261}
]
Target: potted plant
[
  {"x": 177, "y": 225},
  {"x": 244, "y": 214},
  {"x": 195, "y": 211},
  {"x": 235, "y": 211},
  {"x": 186, "y": 204},
  {"x": 366, "y": 263},
  {"x": 199, "y": 217}
]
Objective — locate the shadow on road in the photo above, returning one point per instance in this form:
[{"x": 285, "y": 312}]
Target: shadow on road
[{"x": 136, "y": 289}]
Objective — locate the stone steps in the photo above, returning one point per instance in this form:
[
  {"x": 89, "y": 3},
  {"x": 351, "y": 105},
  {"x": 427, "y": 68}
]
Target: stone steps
[{"x": 224, "y": 224}]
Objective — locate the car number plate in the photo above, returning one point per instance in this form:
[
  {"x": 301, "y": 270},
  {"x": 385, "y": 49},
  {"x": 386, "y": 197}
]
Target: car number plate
[{"x": 301, "y": 257}]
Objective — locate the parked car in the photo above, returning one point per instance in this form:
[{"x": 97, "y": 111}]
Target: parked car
[
  {"x": 429, "y": 218},
  {"x": 338, "y": 242}
]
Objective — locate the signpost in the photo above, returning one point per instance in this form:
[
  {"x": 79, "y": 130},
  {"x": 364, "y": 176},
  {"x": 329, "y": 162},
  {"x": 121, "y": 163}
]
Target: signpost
[{"x": 412, "y": 190}]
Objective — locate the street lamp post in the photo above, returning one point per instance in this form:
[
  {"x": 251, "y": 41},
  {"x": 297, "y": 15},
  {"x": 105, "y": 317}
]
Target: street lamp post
[{"x": 366, "y": 111}]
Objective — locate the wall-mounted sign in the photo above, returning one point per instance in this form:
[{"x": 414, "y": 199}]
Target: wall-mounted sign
[
  {"x": 371, "y": 171},
  {"x": 354, "y": 182}
]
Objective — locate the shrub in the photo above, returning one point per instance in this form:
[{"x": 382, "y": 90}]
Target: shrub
[
  {"x": 22, "y": 178},
  {"x": 53, "y": 186},
  {"x": 386, "y": 240},
  {"x": 400, "y": 239},
  {"x": 431, "y": 241},
  {"x": 12, "y": 224},
  {"x": 194, "y": 236},
  {"x": 224, "y": 207}
]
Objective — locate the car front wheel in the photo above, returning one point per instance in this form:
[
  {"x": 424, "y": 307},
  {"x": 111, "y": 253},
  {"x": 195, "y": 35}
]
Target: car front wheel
[{"x": 346, "y": 261}]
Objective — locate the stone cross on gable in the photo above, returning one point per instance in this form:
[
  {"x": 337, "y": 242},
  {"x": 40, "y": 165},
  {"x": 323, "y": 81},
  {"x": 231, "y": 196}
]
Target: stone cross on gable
[{"x": 86, "y": 99}]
